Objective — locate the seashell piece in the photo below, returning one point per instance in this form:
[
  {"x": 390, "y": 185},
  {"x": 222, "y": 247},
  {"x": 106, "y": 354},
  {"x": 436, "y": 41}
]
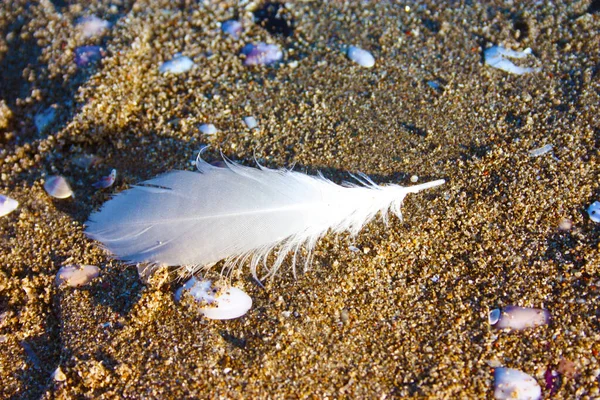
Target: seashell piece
[
  {"x": 86, "y": 55},
  {"x": 106, "y": 181},
  {"x": 222, "y": 303},
  {"x": 232, "y": 27},
  {"x": 261, "y": 54},
  {"x": 177, "y": 65},
  {"x": 7, "y": 205},
  {"x": 76, "y": 275},
  {"x": 361, "y": 57},
  {"x": 58, "y": 187},
  {"x": 92, "y": 26},
  {"x": 515, "y": 385},
  {"x": 518, "y": 318},
  {"x": 494, "y": 57},
  {"x": 250, "y": 122},
  {"x": 58, "y": 375},
  {"x": 540, "y": 151},
  {"x": 594, "y": 211},
  {"x": 208, "y": 129},
  {"x": 44, "y": 119}
]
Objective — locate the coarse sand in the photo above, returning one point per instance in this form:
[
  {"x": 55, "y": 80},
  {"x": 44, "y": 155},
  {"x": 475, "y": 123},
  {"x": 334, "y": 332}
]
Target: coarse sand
[{"x": 407, "y": 315}]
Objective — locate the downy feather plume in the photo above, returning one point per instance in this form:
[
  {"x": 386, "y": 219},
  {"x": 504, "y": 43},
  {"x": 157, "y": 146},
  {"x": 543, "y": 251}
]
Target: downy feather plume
[{"x": 236, "y": 213}]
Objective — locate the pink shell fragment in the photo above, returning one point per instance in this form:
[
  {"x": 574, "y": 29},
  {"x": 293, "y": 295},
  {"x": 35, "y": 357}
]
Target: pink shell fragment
[
  {"x": 76, "y": 275},
  {"x": 86, "y": 55},
  {"x": 261, "y": 54},
  {"x": 58, "y": 187},
  {"x": 92, "y": 26},
  {"x": 106, "y": 181},
  {"x": 7, "y": 205},
  {"x": 518, "y": 318}
]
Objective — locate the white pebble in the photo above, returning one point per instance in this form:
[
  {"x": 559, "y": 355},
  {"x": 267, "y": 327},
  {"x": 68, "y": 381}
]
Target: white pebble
[
  {"x": 76, "y": 275},
  {"x": 177, "y": 65},
  {"x": 250, "y": 122},
  {"x": 222, "y": 303},
  {"x": 414, "y": 179},
  {"x": 541, "y": 150},
  {"x": 58, "y": 187},
  {"x": 512, "y": 384},
  {"x": 494, "y": 57},
  {"x": 361, "y": 57},
  {"x": 518, "y": 318},
  {"x": 44, "y": 119},
  {"x": 7, "y": 205},
  {"x": 594, "y": 211},
  {"x": 208, "y": 129}
]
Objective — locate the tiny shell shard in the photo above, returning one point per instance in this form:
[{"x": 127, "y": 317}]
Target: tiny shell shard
[
  {"x": 76, "y": 275},
  {"x": 594, "y": 211},
  {"x": 361, "y": 57},
  {"x": 518, "y": 318},
  {"x": 208, "y": 129},
  {"x": 222, "y": 303},
  {"x": 7, "y": 205},
  {"x": 58, "y": 187},
  {"x": 177, "y": 65},
  {"x": 494, "y": 57},
  {"x": 515, "y": 385},
  {"x": 261, "y": 54},
  {"x": 86, "y": 55},
  {"x": 92, "y": 26},
  {"x": 106, "y": 181},
  {"x": 232, "y": 27}
]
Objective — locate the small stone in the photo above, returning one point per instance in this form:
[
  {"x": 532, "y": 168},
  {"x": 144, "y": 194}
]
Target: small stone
[
  {"x": 361, "y": 57},
  {"x": 208, "y": 129},
  {"x": 58, "y": 375},
  {"x": 250, "y": 122},
  {"x": 261, "y": 54}
]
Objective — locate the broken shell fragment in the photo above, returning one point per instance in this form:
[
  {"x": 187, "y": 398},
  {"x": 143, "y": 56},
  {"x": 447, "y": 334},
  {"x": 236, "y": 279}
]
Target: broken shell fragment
[
  {"x": 232, "y": 27},
  {"x": 261, "y": 54},
  {"x": 92, "y": 26},
  {"x": 515, "y": 385},
  {"x": 594, "y": 211},
  {"x": 76, "y": 275},
  {"x": 518, "y": 318},
  {"x": 106, "y": 181},
  {"x": 361, "y": 57},
  {"x": 7, "y": 205},
  {"x": 218, "y": 302},
  {"x": 208, "y": 129},
  {"x": 177, "y": 65},
  {"x": 495, "y": 57},
  {"x": 58, "y": 187},
  {"x": 58, "y": 375}
]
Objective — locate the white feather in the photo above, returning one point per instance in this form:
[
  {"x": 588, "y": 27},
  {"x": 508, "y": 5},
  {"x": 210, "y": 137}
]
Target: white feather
[{"x": 236, "y": 213}]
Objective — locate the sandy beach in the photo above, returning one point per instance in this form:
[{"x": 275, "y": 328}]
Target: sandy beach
[{"x": 399, "y": 311}]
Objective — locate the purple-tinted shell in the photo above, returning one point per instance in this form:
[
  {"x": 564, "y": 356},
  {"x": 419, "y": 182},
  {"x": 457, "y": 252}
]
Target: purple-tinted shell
[
  {"x": 232, "y": 27},
  {"x": 106, "y": 181},
  {"x": 518, "y": 318},
  {"x": 261, "y": 54},
  {"x": 86, "y": 55}
]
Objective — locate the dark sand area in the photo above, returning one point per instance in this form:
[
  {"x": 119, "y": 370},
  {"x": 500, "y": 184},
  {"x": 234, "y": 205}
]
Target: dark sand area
[{"x": 407, "y": 316}]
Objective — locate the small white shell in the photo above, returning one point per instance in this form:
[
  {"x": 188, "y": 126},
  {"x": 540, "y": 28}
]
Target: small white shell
[
  {"x": 494, "y": 57},
  {"x": 58, "y": 187},
  {"x": 518, "y": 318},
  {"x": 92, "y": 26},
  {"x": 594, "y": 211},
  {"x": 250, "y": 122},
  {"x": 261, "y": 54},
  {"x": 540, "y": 151},
  {"x": 76, "y": 275},
  {"x": 177, "y": 65},
  {"x": 106, "y": 181},
  {"x": 208, "y": 129},
  {"x": 515, "y": 385},
  {"x": 7, "y": 205},
  {"x": 361, "y": 57},
  {"x": 222, "y": 303}
]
